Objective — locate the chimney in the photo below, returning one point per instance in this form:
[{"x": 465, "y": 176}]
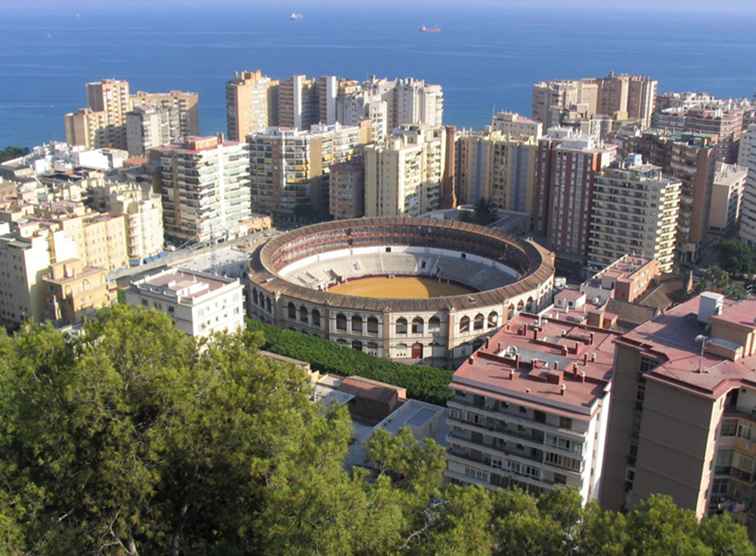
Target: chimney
[
  {"x": 575, "y": 368},
  {"x": 585, "y": 359},
  {"x": 562, "y": 389},
  {"x": 582, "y": 376},
  {"x": 592, "y": 338},
  {"x": 471, "y": 359},
  {"x": 517, "y": 361},
  {"x": 512, "y": 374},
  {"x": 499, "y": 348},
  {"x": 556, "y": 365},
  {"x": 535, "y": 334},
  {"x": 593, "y": 357},
  {"x": 486, "y": 344}
]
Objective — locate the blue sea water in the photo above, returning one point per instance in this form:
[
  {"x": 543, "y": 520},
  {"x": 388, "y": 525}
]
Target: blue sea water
[{"x": 486, "y": 59}]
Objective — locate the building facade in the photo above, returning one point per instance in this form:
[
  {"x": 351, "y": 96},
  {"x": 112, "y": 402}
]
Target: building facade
[
  {"x": 747, "y": 227},
  {"x": 726, "y": 198},
  {"x": 205, "y": 188},
  {"x": 530, "y": 408},
  {"x": 347, "y": 189},
  {"x": 251, "y": 104},
  {"x": 74, "y": 291},
  {"x": 681, "y": 410},
  {"x": 200, "y": 304},
  {"x": 404, "y": 176},
  {"x": 635, "y": 212}
]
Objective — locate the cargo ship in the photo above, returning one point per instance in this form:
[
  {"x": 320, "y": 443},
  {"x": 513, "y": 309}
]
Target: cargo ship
[
  {"x": 295, "y": 16},
  {"x": 426, "y": 29}
]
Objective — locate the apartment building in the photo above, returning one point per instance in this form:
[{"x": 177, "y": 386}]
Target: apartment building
[
  {"x": 497, "y": 166},
  {"x": 417, "y": 103},
  {"x": 516, "y": 126},
  {"x": 200, "y": 304},
  {"x": 90, "y": 129},
  {"x": 102, "y": 123},
  {"x": 23, "y": 263},
  {"x": 404, "y": 176},
  {"x": 290, "y": 168},
  {"x": 347, "y": 189},
  {"x": 251, "y": 104},
  {"x": 619, "y": 96},
  {"x": 565, "y": 176},
  {"x": 634, "y": 211},
  {"x": 298, "y": 103},
  {"x": 205, "y": 188},
  {"x": 181, "y": 106},
  {"x": 142, "y": 210},
  {"x": 682, "y": 406},
  {"x": 747, "y": 227},
  {"x": 691, "y": 158},
  {"x": 530, "y": 408},
  {"x": 726, "y": 198},
  {"x": 724, "y": 119},
  {"x": 74, "y": 291}
]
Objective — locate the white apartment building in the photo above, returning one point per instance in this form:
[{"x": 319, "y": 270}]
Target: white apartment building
[
  {"x": 634, "y": 212},
  {"x": 516, "y": 126},
  {"x": 726, "y": 197},
  {"x": 416, "y": 102},
  {"x": 205, "y": 187},
  {"x": 524, "y": 416},
  {"x": 200, "y": 304},
  {"x": 403, "y": 177},
  {"x": 747, "y": 229}
]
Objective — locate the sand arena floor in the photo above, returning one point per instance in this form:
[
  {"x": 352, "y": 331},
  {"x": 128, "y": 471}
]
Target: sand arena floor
[{"x": 400, "y": 287}]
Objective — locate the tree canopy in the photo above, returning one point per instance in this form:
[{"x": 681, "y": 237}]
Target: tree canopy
[
  {"x": 737, "y": 257},
  {"x": 9, "y": 153},
  {"x": 133, "y": 438}
]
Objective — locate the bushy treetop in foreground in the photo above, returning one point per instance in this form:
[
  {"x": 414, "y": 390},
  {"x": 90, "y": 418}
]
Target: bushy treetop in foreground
[{"x": 134, "y": 439}]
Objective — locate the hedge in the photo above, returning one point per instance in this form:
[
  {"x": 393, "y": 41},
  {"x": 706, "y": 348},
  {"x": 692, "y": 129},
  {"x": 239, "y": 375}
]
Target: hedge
[{"x": 428, "y": 384}]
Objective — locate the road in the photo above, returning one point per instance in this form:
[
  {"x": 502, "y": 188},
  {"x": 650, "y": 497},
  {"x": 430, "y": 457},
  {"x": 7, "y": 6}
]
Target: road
[{"x": 124, "y": 276}]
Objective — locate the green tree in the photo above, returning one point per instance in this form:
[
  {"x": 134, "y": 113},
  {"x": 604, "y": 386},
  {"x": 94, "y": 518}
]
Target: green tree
[
  {"x": 519, "y": 527},
  {"x": 737, "y": 257},
  {"x": 657, "y": 527},
  {"x": 718, "y": 280},
  {"x": 602, "y": 532},
  {"x": 724, "y": 536},
  {"x": 9, "y": 153}
]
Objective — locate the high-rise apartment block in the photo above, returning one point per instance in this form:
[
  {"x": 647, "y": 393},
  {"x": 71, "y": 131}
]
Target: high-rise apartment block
[
  {"x": 160, "y": 119},
  {"x": 634, "y": 211},
  {"x": 724, "y": 120},
  {"x": 497, "y": 166},
  {"x": 618, "y": 96},
  {"x": 347, "y": 189},
  {"x": 530, "y": 408},
  {"x": 403, "y": 177},
  {"x": 103, "y": 122},
  {"x": 74, "y": 290},
  {"x": 726, "y": 198},
  {"x": 289, "y": 168},
  {"x": 682, "y": 406},
  {"x": 205, "y": 187},
  {"x": 565, "y": 175},
  {"x": 415, "y": 102},
  {"x": 298, "y": 103},
  {"x": 251, "y": 104},
  {"x": 22, "y": 293},
  {"x": 747, "y": 227}
]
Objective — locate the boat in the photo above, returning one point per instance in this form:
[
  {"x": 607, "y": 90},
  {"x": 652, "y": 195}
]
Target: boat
[
  {"x": 426, "y": 29},
  {"x": 295, "y": 16}
]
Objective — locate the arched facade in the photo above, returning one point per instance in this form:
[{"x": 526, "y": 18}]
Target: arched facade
[{"x": 435, "y": 331}]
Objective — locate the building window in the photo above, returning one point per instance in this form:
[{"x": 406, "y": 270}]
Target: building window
[
  {"x": 292, "y": 309},
  {"x": 493, "y": 319},
  {"x": 729, "y": 427},
  {"x": 315, "y": 317},
  {"x": 418, "y": 325},
  {"x": 434, "y": 324},
  {"x": 372, "y": 325},
  {"x": 357, "y": 325},
  {"x": 303, "y": 314},
  {"x": 464, "y": 324},
  {"x": 565, "y": 423},
  {"x": 401, "y": 326}
]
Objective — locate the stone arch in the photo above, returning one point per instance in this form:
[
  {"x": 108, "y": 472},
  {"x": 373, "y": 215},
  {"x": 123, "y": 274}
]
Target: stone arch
[
  {"x": 479, "y": 322},
  {"x": 401, "y": 325},
  {"x": 357, "y": 324},
  {"x": 418, "y": 325},
  {"x": 464, "y": 324},
  {"x": 341, "y": 322},
  {"x": 372, "y": 325},
  {"x": 304, "y": 315},
  {"x": 315, "y": 316},
  {"x": 292, "y": 311},
  {"x": 493, "y": 319},
  {"x": 356, "y": 345}
]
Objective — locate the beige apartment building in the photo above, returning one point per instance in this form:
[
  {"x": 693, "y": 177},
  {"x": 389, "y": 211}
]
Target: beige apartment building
[
  {"x": 404, "y": 176},
  {"x": 74, "y": 290},
  {"x": 635, "y": 212},
  {"x": 89, "y": 129},
  {"x": 298, "y": 103},
  {"x": 747, "y": 227},
  {"x": 619, "y": 96},
  {"x": 289, "y": 168},
  {"x": 251, "y": 104},
  {"x": 516, "y": 126},
  {"x": 160, "y": 119},
  {"x": 102, "y": 123},
  {"x": 23, "y": 263},
  {"x": 142, "y": 210},
  {"x": 726, "y": 197},
  {"x": 682, "y": 406},
  {"x": 347, "y": 189}
]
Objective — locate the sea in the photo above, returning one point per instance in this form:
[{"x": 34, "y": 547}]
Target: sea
[{"x": 486, "y": 57}]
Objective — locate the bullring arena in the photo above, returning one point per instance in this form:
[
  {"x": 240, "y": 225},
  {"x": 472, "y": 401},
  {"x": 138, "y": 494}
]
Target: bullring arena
[{"x": 409, "y": 289}]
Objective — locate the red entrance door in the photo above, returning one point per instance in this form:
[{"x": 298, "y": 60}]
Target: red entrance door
[{"x": 417, "y": 351}]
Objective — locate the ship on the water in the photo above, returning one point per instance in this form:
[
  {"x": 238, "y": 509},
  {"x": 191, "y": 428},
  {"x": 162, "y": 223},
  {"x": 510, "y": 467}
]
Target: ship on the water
[
  {"x": 426, "y": 29},
  {"x": 296, "y": 16}
]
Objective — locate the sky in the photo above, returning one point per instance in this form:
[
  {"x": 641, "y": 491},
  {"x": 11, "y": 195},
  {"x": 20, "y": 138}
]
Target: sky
[{"x": 413, "y": 5}]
